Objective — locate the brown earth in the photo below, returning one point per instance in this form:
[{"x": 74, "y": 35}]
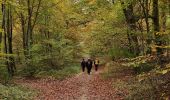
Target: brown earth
[{"x": 80, "y": 87}]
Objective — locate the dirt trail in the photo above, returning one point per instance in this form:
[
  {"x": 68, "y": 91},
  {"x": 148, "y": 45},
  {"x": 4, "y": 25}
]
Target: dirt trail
[{"x": 79, "y": 87}]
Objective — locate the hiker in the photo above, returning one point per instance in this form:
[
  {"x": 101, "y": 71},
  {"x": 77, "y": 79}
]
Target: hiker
[
  {"x": 89, "y": 64},
  {"x": 96, "y": 64},
  {"x": 83, "y": 65}
]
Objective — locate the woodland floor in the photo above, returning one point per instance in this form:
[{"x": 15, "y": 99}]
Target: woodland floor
[{"x": 79, "y": 87}]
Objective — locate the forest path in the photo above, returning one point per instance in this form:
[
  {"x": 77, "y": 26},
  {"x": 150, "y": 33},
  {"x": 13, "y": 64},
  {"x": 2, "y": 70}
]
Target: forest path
[{"x": 80, "y": 87}]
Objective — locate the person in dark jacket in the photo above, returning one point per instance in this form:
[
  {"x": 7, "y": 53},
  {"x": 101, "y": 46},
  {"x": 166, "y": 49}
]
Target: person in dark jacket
[
  {"x": 89, "y": 64},
  {"x": 83, "y": 65}
]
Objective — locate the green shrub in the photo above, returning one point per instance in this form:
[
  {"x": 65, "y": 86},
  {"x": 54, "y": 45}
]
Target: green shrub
[
  {"x": 15, "y": 93},
  {"x": 50, "y": 54},
  {"x": 117, "y": 53},
  {"x": 61, "y": 73},
  {"x": 143, "y": 67},
  {"x": 4, "y": 77},
  {"x": 28, "y": 71}
]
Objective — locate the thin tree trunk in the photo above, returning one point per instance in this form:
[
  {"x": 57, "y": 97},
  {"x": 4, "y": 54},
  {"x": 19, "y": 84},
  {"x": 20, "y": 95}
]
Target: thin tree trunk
[
  {"x": 156, "y": 16},
  {"x": 4, "y": 44},
  {"x": 156, "y": 26},
  {"x": 11, "y": 63},
  {"x": 163, "y": 17},
  {"x": 27, "y": 23}
]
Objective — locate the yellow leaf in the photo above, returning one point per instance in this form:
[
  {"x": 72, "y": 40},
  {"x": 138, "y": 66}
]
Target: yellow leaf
[{"x": 164, "y": 71}]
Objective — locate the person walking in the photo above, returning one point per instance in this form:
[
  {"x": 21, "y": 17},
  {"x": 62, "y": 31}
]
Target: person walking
[
  {"x": 83, "y": 65},
  {"x": 89, "y": 64},
  {"x": 96, "y": 64}
]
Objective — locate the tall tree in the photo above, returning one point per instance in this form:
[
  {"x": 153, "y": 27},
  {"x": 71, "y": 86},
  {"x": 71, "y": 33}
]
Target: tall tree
[
  {"x": 131, "y": 22},
  {"x": 7, "y": 36},
  {"x": 28, "y": 20}
]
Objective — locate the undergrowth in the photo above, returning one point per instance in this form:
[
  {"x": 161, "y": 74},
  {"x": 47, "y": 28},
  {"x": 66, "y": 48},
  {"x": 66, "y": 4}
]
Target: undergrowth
[
  {"x": 48, "y": 72},
  {"x": 60, "y": 74},
  {"x": 15, "y": 92},
  {"x": 146, "y": 85}
]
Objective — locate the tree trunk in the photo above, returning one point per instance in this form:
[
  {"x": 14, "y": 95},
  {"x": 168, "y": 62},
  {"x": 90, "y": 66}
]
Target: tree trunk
[
  {"x": 28, "y": 22},
  {"x": 163, "y": 20},
  {"x": 158, "y": 40},
  {"x": 156, "y": 26},
  {"x": 156, "y": 16},
  {"x": 7, "y": 37},
  {"x": 11, "y": 63},
  {"x": 132, "y": 37}
]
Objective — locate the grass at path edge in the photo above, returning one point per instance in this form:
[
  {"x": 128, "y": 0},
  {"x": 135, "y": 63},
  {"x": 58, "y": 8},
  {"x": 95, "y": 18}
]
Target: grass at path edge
[{"x": 60, "y": 74}]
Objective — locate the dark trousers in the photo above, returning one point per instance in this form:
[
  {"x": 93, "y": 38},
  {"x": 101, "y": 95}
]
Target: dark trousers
[
  {"x": 89, "y": 69},
  {"x": 96, "y": 67},
  {"x": 83, "y": 68}
]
